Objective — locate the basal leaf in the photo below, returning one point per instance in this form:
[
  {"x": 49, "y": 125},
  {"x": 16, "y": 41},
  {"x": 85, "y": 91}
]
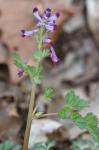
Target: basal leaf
[
  {"x": 40, "y": 146},
  {"x": 9, "y": 146},
  {"x": 44, "y": 146},
  {"x": 50, "y": 144},
  {"x": 81, "y": 144}
]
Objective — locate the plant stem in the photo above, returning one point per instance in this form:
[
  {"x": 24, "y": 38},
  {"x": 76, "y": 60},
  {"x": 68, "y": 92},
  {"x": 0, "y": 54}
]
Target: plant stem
[
  {"x": 50, "y": 114},
  {"x": 32, "y": 110},
  {"x": 29, "y": 119},
  {"x": 35, "y": 109}
]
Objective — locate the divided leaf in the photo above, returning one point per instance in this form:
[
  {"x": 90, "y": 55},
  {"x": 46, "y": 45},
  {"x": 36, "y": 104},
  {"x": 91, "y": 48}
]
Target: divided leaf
[
  {"x": 40, "y": 55},
  {"x": 35, "y": 73},
  {"x": 78, "y": 120},
  {"x": 49, "y": 93},
  {"x": 91, "y": 119},
  {"x": 18, "y": 61},
  {"x": 92, "y": 125},
  {"x": 81, "y": 144},
  {"x": 40, "y": 146},
  {"x": 44, "y": 146},
  {"x": 94, "y": 131},
  {"x": 64, "y": 113},
  {"x": 9, "y": 146},
  {"x": 75, "y": 102},
  {"x": 50, "y": 144},
  {"x": 70, "y": 111}
]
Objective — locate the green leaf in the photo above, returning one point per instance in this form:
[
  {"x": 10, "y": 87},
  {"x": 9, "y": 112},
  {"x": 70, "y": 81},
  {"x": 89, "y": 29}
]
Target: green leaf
[
  {"x": 40, "y": 146},
  {"x": 18, "y": 61},
  {"x": 9, "y": 146},
  {"x": 70, "y": 111},
  {"x": 40, "y": 55},
  {"x": 35, "y": 73},
  {"x": 89, "y": 122},
  {"x": 81, "y": 144},
  {"x": 49, "y": 93},
  {"x": 92, "y": 125},
  {"x": 91, "y": 119},
  {"x": 64, "y": 113},
  {"x": 94, "y": 131},
  {"x": 44, "y": 146},
  {"x": 75, "y": 102},
  {"x": 50, "y": 144},
  {"x": 78, "y": 120}
]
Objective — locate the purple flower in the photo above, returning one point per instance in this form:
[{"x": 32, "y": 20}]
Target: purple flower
[
  {"x": 54, "y": 18},
  {"x": 47, "y": 13},
  {"x": 29, "y": 33},
  {"x": 47, "y": 40},
  {"x": 54, "y": 57},
  {"x": 20, "y": 72},
  {"x": 36, "y": 14},
  {"x": 48, "y": 22}
]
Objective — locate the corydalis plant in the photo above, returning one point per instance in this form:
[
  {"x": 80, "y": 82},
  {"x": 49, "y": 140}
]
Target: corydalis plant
[
  {"x": 45, "y": 25},
  {"x": 73, "y": 103}
]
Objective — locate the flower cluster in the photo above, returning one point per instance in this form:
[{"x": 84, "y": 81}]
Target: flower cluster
[{"x": 48, "y": 22}]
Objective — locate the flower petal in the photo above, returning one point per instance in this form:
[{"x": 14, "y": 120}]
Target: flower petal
[
  {"x": 29, "y": 33},
  {"x": 54, "y": 57},
  {"x": 53, "y": 18},
  {"x": 36, "y": 14},
  {"x": 50, "y": 28},
  {"x": 47, "y": 13}
]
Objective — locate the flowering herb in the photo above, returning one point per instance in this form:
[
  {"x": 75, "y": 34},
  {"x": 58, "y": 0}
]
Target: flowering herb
[{"x": 73, "y": 103}]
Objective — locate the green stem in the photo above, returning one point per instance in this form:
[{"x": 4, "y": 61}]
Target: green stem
[
  {"x": 31, "y": 112},
  {"x": 50, "y": 114},
  {"x": 35, "y": 109},
  {"x": 29, "y": 119}
]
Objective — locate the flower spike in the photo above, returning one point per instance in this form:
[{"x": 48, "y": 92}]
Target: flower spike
[{"x": 48, "y": 22}]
